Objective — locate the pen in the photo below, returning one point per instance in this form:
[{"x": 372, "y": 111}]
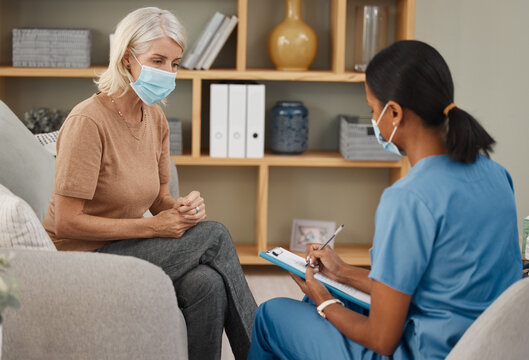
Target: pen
[{"x": 328, "y": 241}]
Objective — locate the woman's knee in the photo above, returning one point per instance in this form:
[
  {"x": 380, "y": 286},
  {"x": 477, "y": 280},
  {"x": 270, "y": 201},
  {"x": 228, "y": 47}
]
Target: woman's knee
[{"x": 201, "y": 284}]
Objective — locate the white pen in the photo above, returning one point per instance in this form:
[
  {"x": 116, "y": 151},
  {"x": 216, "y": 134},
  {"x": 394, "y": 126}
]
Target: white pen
[{"x": 328, "y": 241}]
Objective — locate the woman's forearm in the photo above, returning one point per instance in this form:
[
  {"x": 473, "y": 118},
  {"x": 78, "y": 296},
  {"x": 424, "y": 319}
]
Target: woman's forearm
[{"x": 88, "y": 227}]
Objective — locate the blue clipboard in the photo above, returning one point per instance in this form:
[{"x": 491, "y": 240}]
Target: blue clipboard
[{"x": 272, "y": 256}]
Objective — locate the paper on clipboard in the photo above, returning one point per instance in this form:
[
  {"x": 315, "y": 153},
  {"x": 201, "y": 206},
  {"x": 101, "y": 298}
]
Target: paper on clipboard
[{"x": 296, "y": 264}]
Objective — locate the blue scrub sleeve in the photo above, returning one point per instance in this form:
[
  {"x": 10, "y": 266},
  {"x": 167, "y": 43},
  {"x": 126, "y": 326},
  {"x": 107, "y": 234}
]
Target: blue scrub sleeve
[{"x": 404, "y": 237}]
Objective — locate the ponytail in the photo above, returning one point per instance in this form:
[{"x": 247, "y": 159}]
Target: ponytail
[{"x": 466, "y": 137}]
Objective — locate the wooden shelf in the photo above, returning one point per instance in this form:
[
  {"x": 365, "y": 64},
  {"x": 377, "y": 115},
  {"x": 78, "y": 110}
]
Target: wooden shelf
[
  {"x": 353, "y": 254},
  {"x": 221, "y": 74},
  {"x": 307, "y": 159},
  {"x": 91, "y": 72},
  {"x": 337, "y": 72}
]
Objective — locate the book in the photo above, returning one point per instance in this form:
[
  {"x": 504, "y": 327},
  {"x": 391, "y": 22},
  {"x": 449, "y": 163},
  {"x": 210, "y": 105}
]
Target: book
[
  {"x": 49, "y": 141},
  {"x": 190, "y": 58},
  {"x": 296, "y": 265},
  {"x": 219, "y": 43},
  {"x": 212, "y": 43}
]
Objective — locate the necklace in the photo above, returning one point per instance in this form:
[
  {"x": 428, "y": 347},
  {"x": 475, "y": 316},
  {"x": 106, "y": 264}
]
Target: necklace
[
  {"x": 135, "y": 131},
  {"x": 117, "y": 109}
]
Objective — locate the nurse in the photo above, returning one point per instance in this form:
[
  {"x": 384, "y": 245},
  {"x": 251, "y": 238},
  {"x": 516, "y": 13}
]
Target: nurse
[{"x": 446, "y": 240}]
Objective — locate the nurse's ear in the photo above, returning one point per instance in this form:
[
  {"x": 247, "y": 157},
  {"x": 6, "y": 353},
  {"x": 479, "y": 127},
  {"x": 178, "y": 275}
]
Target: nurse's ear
[{"x": 396, "y": 112}]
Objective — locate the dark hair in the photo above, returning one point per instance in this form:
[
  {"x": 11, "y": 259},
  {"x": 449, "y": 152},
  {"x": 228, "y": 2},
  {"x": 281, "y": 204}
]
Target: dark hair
[{"x": 416, "y": 76}]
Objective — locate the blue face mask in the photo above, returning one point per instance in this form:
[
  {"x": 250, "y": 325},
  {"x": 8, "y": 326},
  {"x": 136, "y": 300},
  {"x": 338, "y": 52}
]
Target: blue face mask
[
  {"x": 153, "y": 85},
  {"x": 387, "y": 145}
]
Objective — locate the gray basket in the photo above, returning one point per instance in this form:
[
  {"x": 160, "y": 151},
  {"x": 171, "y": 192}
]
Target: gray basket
[
  {"x": 358, "y": 141},
  {"x": 69, "y": 48}
]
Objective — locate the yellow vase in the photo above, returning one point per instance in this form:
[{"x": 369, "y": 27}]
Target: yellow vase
[{"x": 292, "y": 44}]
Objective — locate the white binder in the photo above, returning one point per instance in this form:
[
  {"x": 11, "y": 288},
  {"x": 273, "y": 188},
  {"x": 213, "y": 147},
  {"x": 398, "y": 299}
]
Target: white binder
[
  {"x": 255, "y": 121},
  {"x": 218, "y": 120},
  {"x": 237, "y": 120}
]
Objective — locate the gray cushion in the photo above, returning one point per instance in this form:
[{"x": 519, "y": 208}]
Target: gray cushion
[
  {"x": 500, "y": 332},
  {"x": 92, "y": 306},
  {"x": 27, "y": 169}
]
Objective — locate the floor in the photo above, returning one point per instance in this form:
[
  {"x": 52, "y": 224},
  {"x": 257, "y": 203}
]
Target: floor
[{"x": 266, "y": 282}]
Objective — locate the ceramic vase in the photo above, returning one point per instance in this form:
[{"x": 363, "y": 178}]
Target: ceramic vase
[
  {"x": 289, "y": 133},
  {"x": 292, "y": 44}
]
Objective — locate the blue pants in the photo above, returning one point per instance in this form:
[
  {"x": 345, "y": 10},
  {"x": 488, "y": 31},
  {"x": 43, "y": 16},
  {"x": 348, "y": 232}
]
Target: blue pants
[{"x": 291, "y": 329}]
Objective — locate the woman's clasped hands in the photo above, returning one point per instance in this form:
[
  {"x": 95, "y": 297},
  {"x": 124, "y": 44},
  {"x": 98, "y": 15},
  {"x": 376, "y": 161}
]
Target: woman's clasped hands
[{"x": 186, "y": 213}]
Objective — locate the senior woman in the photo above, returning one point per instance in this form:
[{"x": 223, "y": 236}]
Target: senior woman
[
  {"x": 446, "y": 238},
  {"x": 113, "y": 164}
]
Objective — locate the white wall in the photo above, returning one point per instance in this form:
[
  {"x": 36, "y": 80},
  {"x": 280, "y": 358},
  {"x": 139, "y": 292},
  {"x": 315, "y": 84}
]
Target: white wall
[{"x": 486, "y": 45}]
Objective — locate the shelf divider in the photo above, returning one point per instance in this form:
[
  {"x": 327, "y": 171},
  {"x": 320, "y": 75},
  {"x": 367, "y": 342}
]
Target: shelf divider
[
  {"x": 242, "y": 34},
  {"x": 196, "y": 119},
  {"x": 338, "y": 24},
  {"x": 261, "y": 214},
  {"x": 405, "y": 20}
]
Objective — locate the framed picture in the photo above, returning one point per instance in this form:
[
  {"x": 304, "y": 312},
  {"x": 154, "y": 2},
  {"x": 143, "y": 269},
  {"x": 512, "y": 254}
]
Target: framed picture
[{"x": 310, "y": 231}]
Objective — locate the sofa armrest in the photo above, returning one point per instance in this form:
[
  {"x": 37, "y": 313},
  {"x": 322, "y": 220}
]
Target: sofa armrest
[{"x": 91, "y": 306}]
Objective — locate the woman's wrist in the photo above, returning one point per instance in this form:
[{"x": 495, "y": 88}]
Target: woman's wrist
[{"x": 150, "y": 227}]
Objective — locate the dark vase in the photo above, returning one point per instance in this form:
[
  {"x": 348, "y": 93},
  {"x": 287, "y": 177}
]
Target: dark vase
[{"x": 289, "y": 132}]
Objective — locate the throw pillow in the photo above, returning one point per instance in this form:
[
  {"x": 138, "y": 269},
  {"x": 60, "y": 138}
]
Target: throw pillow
[{"x": 19, "y": 226}]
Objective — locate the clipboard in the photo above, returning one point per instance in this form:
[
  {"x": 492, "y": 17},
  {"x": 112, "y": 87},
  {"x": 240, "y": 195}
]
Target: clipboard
[{"x": 296, "y": 265}]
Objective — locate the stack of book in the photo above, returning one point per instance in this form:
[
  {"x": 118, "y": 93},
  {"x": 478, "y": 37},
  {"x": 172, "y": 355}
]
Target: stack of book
[
  {"x": 211, "y": 40},
  {"x": 358, "y": 141},
  {"x": 175, "y": 136},
  {"x": 237, "y": 120}
]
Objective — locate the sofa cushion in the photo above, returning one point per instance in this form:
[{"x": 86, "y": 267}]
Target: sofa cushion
[
  {"x": 88, "y": 306},
  {"x": 27, "y": 168},
  {"x": 19, "y": 226}
]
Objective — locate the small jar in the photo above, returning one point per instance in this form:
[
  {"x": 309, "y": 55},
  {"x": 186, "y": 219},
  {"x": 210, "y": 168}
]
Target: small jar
[{"x": 289, "y": 132}]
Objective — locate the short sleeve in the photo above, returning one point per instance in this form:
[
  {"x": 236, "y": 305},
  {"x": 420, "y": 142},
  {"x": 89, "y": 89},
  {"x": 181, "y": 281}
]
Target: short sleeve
[
  {"x": 79, "y": 151},
  {"x": 164, "y": 165},
  {"x": 404, "y": 238}
]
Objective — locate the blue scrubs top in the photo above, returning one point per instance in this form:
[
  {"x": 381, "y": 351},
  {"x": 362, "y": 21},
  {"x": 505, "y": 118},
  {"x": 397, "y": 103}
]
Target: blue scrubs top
[{"x": 447, "y": 235}]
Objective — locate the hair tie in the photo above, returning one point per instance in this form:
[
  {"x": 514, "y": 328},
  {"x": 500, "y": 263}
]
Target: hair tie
[{"x": 448, "y": 108}]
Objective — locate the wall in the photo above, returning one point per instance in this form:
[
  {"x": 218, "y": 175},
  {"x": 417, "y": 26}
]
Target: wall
[{"x": 485, "y": 44}]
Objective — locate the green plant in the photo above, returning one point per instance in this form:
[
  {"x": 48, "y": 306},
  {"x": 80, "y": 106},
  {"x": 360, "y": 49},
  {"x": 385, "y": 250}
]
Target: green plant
[
  {"x": 8, "y": 286},
  {"x": 44, "y": 120}
]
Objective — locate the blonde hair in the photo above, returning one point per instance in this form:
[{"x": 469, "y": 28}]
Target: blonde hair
[{"x": 135, "y": 32}]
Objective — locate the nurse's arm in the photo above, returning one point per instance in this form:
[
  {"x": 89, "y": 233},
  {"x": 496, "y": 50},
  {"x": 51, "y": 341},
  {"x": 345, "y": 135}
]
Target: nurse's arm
[{"x": 381, "y": 331}]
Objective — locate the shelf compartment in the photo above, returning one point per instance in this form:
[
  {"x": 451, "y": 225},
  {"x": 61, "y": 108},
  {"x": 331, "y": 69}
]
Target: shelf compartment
[
  {"x": 352, "y": 254},
  {"x": 309, "y": 158}
]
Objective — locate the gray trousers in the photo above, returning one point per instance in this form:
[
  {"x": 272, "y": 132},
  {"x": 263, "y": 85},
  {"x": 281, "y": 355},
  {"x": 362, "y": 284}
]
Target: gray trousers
[{"x": 209, "y": 283}]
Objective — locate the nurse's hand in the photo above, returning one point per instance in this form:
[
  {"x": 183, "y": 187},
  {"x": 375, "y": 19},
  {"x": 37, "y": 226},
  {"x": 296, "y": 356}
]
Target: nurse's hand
[
  {"x": 312, "y": 287},
  {"x": 192, "y": 207},
  {"x": 327, "y": 261}
]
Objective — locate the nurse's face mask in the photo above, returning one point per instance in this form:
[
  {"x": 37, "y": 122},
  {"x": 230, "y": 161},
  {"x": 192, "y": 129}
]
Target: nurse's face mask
[
  {"x": 153, "y": 85},
  {"x": 387, "y": 145}
]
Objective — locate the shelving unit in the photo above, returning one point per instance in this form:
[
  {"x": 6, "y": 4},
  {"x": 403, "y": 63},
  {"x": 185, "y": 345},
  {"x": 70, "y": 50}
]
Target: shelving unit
[{"x": 338, "y": 73}]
